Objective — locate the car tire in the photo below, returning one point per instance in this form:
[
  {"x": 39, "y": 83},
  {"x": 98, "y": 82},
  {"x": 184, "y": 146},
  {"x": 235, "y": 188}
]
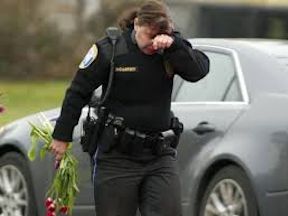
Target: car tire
[
  {"x": 229, "y": 193},
  {"x": 16, "y": 186}
]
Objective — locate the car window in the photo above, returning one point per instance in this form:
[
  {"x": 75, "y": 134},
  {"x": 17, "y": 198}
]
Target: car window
[
  {"x": 234, "y": 92},
  {"x": 221, "y": 84}
]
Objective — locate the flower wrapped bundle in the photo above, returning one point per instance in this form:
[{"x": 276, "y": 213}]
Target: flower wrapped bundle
[{"x": 62, "y": 192}]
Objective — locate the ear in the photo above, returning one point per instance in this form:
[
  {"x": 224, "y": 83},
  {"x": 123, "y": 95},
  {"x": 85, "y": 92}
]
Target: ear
[{"x": 136, "y": 26}]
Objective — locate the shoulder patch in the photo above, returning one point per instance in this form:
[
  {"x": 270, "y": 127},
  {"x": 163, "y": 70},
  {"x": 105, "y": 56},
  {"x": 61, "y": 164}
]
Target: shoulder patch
[{"x": 89, "y": 57}]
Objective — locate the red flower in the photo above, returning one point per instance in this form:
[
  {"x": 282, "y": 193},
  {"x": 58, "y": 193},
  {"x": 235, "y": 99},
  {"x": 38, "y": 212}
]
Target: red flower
[
  {"x": 52, "y": 208},
  {"x": 48, "y": 202},
  {"x": 2, "y": 109},
  {"x": 64, "y": 209}
]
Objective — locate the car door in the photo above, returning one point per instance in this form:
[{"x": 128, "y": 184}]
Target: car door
[{"x": 207, "y": 108}]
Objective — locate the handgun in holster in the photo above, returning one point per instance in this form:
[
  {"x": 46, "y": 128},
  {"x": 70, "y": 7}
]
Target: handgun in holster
[
  {"x": 110, "y": 134},
  {"x": 92, "y": 130}
]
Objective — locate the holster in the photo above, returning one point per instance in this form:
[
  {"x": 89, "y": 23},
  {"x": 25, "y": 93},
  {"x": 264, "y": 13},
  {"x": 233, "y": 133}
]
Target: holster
[
  {"x": 111, "y": 132},
  {"x": 92, "y": 130}
]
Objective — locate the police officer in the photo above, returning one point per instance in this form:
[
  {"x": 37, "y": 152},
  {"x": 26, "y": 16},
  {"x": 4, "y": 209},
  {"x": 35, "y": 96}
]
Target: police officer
[{"x": 132, "y": 175}]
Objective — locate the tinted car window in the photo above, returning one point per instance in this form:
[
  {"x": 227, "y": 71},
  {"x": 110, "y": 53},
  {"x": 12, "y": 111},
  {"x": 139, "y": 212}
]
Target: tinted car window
[{"x": 221, "y": 84}]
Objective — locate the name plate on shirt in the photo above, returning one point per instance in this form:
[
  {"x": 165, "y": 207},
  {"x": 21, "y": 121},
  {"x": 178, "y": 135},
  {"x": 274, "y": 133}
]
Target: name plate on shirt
[{"x": 126, "y": 69}]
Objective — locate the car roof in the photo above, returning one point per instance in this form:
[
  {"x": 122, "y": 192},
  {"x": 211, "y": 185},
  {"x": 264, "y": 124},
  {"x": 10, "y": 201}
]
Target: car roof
[
  {"x": 264, "y": 61},
  {"x": 276, "y": 48}
]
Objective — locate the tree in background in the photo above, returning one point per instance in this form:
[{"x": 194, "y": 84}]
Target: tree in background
[
  {"x": 31, "y": 47},
  {"x": 107, "y": 15}
]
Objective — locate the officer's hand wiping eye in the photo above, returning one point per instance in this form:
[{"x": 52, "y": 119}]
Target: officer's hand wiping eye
[{"x": 162, "y": 41}]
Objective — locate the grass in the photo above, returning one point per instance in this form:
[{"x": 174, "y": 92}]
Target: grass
[{"x": 22, "y": 98}]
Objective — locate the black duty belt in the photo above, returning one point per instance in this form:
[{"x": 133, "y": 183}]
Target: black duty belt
[{"x": 134, "y": 141}]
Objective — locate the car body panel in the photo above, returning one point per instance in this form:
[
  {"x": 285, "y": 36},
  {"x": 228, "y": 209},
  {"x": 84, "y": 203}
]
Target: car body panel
[{"x": 193, "y": 146}]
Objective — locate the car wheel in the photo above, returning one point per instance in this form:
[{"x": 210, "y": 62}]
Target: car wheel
[
  {"x": 16, "y": 197},
  {"x": 229, "y": 193}
]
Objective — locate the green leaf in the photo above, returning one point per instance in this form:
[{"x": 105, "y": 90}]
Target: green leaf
[
  {"x": 43, "y": 153},
  {"x": 31, "y": 154},
  {"x": 32, "y": 151},
  {"x": 76, "y": 188}
]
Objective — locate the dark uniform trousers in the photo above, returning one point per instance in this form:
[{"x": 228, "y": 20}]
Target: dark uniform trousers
[{"x": 123, "y": 183}]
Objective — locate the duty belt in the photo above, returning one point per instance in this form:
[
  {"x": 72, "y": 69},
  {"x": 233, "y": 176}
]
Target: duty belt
[{"x": 134, "y": 141}]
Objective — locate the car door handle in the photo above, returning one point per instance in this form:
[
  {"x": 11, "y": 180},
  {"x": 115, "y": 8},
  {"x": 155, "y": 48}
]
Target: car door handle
[{"x": 204, "y": 127}]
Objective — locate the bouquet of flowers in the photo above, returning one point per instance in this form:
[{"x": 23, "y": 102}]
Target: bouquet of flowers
[{"x": 62, "y": 192}]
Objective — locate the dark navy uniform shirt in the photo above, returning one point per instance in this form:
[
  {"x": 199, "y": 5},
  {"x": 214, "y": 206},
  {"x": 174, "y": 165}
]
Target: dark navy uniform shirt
[{"x": 141, "y": 89}]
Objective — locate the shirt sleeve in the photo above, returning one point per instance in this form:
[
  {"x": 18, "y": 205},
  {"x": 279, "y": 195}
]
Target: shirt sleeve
[
  {"x": 191, "y": 64},
  {"x": 78, "y": 94}
]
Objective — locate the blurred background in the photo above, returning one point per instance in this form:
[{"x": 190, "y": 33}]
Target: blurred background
[{"x": 43, "y": 41}]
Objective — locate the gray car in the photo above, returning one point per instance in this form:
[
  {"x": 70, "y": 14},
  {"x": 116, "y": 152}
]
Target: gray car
[{"x": 233, "y": 154}]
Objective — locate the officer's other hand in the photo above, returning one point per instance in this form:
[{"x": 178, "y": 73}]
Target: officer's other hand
[
  {"x": 162, "y": 41},
  {"x": 58, "y": 148}
]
